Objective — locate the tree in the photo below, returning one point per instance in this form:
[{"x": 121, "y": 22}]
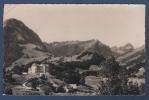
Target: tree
[
  {"x": 111, "y": 69},
  {"x": 34, "y": 83},
  {"x": 104, "y": 88}
]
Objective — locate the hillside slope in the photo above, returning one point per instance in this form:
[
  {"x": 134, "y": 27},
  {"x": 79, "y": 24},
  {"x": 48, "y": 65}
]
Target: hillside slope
[{"x": 21, "y": 44}]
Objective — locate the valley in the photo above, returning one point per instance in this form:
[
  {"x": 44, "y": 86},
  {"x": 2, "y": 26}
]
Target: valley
[{"x": 69, "y": 68}]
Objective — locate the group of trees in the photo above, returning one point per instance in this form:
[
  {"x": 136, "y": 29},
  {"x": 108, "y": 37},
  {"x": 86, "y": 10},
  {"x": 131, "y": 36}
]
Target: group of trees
[{"x": 118, "y": 79}]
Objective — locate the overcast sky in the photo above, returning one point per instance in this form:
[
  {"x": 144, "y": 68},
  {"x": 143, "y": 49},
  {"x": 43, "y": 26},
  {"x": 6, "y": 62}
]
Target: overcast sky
[{"x": 111, "y": 24}]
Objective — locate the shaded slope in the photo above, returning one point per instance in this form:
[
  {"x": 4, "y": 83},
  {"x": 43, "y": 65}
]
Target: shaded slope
[{"x": 16, "y": 33}]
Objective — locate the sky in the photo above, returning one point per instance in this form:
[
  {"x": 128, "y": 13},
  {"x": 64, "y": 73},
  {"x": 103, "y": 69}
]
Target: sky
[{"x": 112, "y": 24}]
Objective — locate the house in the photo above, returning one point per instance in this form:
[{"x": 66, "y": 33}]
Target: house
[{"x": 38, "y": 69}]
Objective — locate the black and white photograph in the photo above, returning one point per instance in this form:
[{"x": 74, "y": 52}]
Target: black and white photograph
[{"x": 74, "y": 49}]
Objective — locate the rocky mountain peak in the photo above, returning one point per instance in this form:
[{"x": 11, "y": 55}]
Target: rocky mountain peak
[
  {"x": 118, "y": 51},
  {"x": 18, "y": 31},
  {"x": 128, "y": 46},
  {"x": 11, "y": 22},
  {"x": 18, "y": 39}
]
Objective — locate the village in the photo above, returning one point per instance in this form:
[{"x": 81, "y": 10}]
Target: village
[{"x": 40, "y": 72}]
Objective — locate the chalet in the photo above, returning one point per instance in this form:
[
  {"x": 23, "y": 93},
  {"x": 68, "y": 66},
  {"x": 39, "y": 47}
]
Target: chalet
[{"x": 38, "y": 69}]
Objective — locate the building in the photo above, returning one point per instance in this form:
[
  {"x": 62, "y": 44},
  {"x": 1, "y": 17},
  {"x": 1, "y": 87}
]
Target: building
[{"x": 38, "y": 69}]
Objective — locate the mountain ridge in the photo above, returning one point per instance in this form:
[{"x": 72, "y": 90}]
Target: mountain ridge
[{"x": 69, "y": 48}]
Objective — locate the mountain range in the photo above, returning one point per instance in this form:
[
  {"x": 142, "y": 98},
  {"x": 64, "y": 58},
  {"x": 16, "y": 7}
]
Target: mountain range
[{"x": 23, "y": 47}]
